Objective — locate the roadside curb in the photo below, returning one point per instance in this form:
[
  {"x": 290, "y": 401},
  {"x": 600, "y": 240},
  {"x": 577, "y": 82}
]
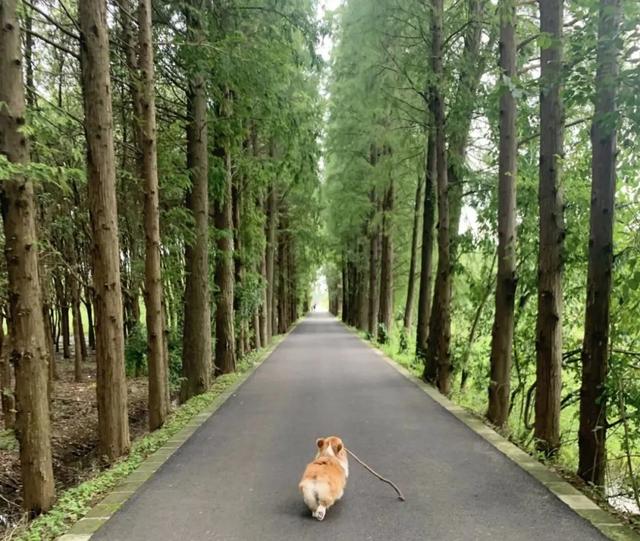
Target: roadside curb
[
  {"x": 99, "y": 514},
  {"x": 605, "y": 522}
]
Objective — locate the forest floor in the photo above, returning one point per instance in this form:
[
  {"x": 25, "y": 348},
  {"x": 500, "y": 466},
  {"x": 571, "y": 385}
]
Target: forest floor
[{"x": 74, "y": 435}]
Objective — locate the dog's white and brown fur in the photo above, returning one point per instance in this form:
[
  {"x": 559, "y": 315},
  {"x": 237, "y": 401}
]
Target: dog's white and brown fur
[{"x": 324, "y": 479}]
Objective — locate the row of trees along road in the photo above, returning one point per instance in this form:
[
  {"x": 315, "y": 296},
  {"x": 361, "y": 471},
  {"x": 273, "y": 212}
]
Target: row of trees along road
[
  {"x": 483, "y": 186},
  {"x": 161, "y": 151}
]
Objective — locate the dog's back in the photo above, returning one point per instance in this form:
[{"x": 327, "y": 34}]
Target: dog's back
[{"x": 324, "y": 479}]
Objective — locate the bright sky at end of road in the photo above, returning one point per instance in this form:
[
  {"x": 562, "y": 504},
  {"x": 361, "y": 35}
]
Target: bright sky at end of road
[{"x": 324, "y": 6}]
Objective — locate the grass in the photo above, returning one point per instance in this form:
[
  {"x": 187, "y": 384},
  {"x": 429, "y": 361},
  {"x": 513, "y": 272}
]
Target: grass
[{"x": 74, "y": 503}]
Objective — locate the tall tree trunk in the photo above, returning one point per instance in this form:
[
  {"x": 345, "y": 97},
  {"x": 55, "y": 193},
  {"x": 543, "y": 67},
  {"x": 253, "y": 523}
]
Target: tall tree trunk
[
  {"x": 28, "y": 346},
  {"x": 502, "y": 336},
  {"x": 386, "y": 266},
  {"x": 438, "y": 355},
  {"x": 595, "y": 347},
  {"x": 272, "y": 221},
  {"x": 426, "y": 255},
  {"x": 88, "y": 304},
  {"x": 263, "y": 309},
  {"x": 550, "y": 204},
  {"x": 374, "y": 269},
  {"x": 196, "y": 345},
  {"x": 146, "y": 135},
  {"x": 77, "y": 348},
  {"x": 6, "y": 381},
  {"x": 238, "y": 267},
  {"x": 113, "y": 425},
  {"x": 345, "y": 290},
  {"x": 64, "y": 319},
  {"x": 225, "y": 354},
  {"x": 411, "y": 281}
]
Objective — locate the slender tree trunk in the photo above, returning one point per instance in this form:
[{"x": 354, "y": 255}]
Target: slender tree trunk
[
  {"x": 595, "y": 347},
  {"x": 144, "y": 97},
  {"x": 263, "y": 311},
  {"x": 77, "y": 348},
  {"x": 426, "y": 255},
  {"x": 438, "y": 355},
  {"x": 196, "y": 346},
  {"x": 64, "y": 321},
  {"x": 28, "y": 351},
  {"x": 374, "y": 269},
  {"x": 88, "y": 304},
  {"x": 502, "y": 337},
  {"x": 345, "y": 290},
  {"x": 113, "y": 425},
  {"x": 411, "y": 282},
  {"x": 550, "y": 203},
  {"x": 272, "y": 219},
  {"x": 225, "y": 354},
  {"x": 386, "y": 266}
]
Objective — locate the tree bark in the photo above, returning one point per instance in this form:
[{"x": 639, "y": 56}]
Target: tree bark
[
  {"x": 502, "y": 336},
  {"x": 551, "y": 239},
  {"x": 595, "y": 347},
  {"x": 426, "y": 255},
  {"x": 438, "y": 362},
  {"x": 196, "y": 346},
  {"x": 88, "y": 304},
  {"x": 28, "y": 346},
  {"x": 225, "y": 354},
  {"x": 374, "y": 269},
  {"x": 77, "y": 347},
  {"x": 113, "y": 425},
  {"x": 411, "y": 281},
  {"x": 64, "y": 320},
  {"x": 144, "y": 95},
  {"x": 385, "y": 316},
  {"x": 272, "y": 222}
]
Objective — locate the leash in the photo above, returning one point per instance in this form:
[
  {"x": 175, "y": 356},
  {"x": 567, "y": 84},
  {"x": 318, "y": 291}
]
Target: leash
[{"x": 398, "y": 491}]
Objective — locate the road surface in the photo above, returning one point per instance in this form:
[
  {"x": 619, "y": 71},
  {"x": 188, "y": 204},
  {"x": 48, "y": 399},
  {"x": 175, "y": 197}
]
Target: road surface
[{"x": 236, "y": 478}]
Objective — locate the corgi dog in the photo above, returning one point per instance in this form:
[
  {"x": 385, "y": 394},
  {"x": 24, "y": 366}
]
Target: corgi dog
[{"x": 324, "y": 479}]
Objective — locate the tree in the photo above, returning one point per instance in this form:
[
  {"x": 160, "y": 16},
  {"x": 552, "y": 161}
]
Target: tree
[
  {"x": 595, "y": 348},
  {"x": 385, "y": 316},
  {"x": 148, "y": 160},
  {"x": 502, "y": 334},
  {"x": 196, "y": 342},
  {"x": 551, "y": 239},
  {"x": 408, "y": 307},
  {"x": 438, "y": 362},
  {"x": 28, "y": 347},
  {"x": 225, "y": 352},
  {"x": 113, "y": 424},
  {"x": 426, "y": 254}
]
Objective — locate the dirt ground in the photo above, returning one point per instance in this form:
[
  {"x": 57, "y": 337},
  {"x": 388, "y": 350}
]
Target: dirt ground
[{"x": 74, "y": 436}]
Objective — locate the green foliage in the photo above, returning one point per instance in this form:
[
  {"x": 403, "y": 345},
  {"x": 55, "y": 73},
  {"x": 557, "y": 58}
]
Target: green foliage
[{"x": 135, "y": 352}]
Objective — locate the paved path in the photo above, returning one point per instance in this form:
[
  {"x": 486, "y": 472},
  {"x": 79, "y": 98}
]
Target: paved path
[{"x": 236, "y": 478}]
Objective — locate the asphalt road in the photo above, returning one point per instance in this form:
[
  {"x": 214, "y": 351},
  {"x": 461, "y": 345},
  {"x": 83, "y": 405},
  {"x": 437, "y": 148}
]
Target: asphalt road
[{"x": 236, "y": 478}]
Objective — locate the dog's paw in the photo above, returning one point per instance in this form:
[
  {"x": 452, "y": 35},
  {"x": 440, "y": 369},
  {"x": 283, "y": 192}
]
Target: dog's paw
[{"x": 320, "y": 512}]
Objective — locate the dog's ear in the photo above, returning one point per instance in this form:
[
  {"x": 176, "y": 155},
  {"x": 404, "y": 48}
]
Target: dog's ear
[
  {"x": 339, "y": 448},
  {"x": 319, "y": 443}
]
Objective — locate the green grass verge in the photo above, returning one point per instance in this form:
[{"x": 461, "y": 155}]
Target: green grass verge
[{"x": 76, "y": 502}]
